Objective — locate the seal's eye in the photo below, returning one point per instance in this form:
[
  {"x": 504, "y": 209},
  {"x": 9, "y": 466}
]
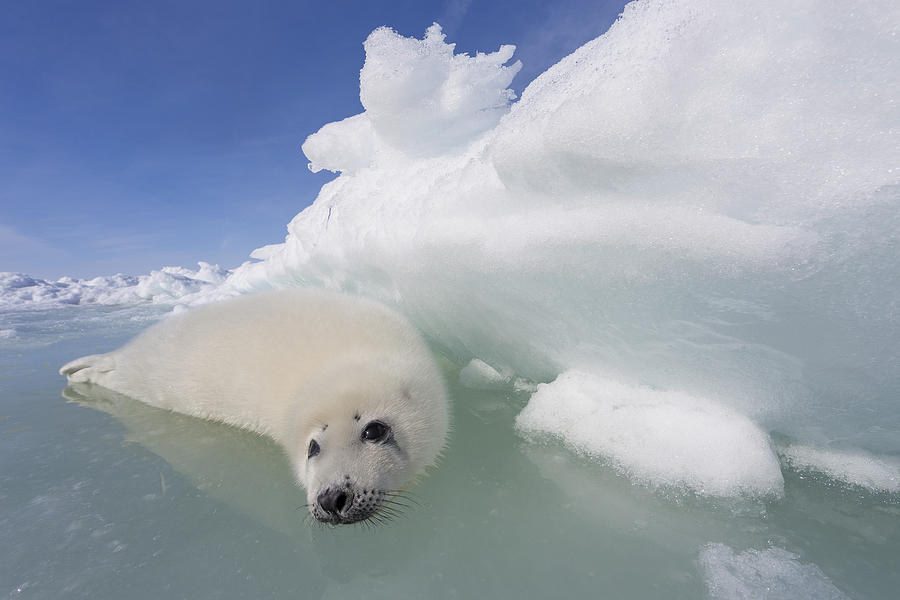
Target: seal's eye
[
  {"x": 376, "y": 431},
  {"x": 313, "y": 449}
]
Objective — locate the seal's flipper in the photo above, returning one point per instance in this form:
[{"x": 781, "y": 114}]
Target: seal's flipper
[{"x": 88, "y": 368}]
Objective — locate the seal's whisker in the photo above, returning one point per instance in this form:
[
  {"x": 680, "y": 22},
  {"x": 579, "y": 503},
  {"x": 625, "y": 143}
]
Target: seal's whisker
[
  {"x": 398, "y": 504},
  {"x": 385, "y": 518},
  {"x": 389, "y": 515},
  {"x": 393, "y": 496},
  {"x": 399, "y": 515},
  {"x": 401, "y": 500},
  {"x": 308, "y": 516},
  {"x": 404, "y": 494},
  {"x": 390, "y": 512},
  {"x": 390, "y": 507}
]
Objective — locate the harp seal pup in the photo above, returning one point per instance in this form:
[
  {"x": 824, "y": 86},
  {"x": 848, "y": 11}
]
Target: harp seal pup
[{"x": 345, "y": 385}]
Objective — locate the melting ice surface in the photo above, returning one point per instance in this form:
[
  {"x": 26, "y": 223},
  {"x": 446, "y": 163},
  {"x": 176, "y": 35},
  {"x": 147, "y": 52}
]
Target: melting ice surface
[{"x": 677, "y": 253}]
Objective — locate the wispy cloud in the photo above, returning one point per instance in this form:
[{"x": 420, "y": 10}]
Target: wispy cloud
[
  {"x": 453, "y": 15},
  {"x": 125, "y": 243},
  {"x": 11, "y": 241},
  {"x": 18, "y": 249}
]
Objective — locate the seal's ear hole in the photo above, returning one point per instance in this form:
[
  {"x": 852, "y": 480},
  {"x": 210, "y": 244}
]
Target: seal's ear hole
[
  {"x": 313, "y": 449},
  {"x": 375, "y": 431}
]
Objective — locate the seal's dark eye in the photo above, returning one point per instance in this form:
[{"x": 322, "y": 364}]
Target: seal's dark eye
[
  {"x": 313, "y": 449},
  {"x": 376, "y": 431}
]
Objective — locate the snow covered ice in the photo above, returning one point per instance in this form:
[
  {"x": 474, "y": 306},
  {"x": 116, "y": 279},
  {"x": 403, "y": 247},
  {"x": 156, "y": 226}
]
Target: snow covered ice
[
  {"x": 657, "y": 437},
  {"x": 168, "y": 285},
  {"x": 855, "y": 468}
]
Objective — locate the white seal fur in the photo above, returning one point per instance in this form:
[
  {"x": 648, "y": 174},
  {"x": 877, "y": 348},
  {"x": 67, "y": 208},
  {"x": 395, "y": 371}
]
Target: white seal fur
[{"x": 345, "y": 385}]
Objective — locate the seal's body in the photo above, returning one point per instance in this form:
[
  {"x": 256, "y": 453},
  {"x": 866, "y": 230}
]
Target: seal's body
[{"x": 345, "y": 385}]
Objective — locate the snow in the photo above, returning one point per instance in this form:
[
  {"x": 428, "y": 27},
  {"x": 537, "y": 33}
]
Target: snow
[
  {"x": 664, "y": 438},
  {"x": 168, "y": 285},
  {"x": 854, "y": 467}
]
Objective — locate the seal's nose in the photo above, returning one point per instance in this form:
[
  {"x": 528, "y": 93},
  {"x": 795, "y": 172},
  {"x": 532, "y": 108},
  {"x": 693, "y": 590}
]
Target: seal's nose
[{"x": 333, "y": 501}]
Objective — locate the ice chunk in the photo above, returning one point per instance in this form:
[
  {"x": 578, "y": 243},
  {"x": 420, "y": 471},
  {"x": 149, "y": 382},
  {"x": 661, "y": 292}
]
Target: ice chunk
[
  {"x": 658, "y": 437},
  {"x": 774, "y": 574},
  {"x": 425, "y": 100},
  {"x": 345, "y": 146},
  {"x": 174, "y": 283},
  {"x": 480, "y": 375},
  {"x": 877, "y": 473}
]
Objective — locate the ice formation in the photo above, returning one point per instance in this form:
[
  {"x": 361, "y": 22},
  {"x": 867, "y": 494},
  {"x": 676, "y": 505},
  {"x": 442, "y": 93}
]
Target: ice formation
[
  {"x": 480, "y": 375},
  {"x": 660, "y": 437},
  {"x": 772, "y": 573},
  {"x": 702, "y": 201},
  {"x": 421, "y": 100},
  {"x": 878, "y": 473},
  {"x": 170, "y": 284}
]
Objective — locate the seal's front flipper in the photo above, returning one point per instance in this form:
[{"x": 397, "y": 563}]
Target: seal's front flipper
[{"x": 88, "y": 368}]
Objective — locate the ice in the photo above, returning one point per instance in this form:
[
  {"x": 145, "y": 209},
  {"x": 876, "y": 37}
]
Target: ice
[
  {"x": 773, "y": 573},
  {"x": 346, "y": 146},
  {"x": 877, "y": 473},
  {"x": 423, "y": 99},
  {"x": 680, "y": 85},
  {"x": 168, "y": 285},
  {"x": 480, "y": 375},
  {"x": 664, "y": 438}
]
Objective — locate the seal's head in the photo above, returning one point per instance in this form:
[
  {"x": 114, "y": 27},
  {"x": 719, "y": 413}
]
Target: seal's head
[{"x": 379, "y": 430}]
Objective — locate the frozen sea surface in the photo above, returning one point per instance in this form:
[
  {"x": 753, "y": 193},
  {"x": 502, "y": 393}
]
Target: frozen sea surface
[{"x": 104, "y": 497}]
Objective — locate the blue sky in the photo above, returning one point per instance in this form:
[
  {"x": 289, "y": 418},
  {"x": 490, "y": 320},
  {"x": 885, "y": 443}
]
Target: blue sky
[{"x": 135, "y": 135}]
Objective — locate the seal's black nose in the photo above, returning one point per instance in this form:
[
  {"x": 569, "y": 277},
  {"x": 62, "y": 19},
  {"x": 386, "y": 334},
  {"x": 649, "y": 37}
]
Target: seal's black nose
[{"x": 333, "y": 501}]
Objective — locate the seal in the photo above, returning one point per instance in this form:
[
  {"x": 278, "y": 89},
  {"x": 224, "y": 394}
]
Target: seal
[{"x": 345, "y": 385}]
